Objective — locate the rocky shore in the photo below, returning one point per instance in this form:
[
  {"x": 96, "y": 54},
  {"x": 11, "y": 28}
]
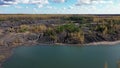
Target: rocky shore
[{"x": 5, "y": 53}]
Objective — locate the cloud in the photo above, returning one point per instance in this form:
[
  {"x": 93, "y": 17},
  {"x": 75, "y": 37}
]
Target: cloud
[
  {"x": 84, "y": 1},
  {"x": 88, "y": 2},
  {"x": 59, "y": 1},
  {"x": 18, "y": 7},
  {"x": 7, "y": 2},
  {"x": 10, "y": 2},
  {"x": 41, "y": 2},
  {"x": 33, "y": 1}
]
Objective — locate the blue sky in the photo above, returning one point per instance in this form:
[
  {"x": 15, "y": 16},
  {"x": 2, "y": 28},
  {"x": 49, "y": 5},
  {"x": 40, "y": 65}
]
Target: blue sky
[{"x": 59, "y": 6}]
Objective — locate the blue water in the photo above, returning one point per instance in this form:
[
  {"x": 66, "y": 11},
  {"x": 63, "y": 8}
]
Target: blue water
[{"x": 64, "y": 57}]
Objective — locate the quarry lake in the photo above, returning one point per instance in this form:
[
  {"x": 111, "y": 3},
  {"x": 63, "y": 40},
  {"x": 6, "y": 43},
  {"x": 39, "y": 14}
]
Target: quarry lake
[{"x": 64, "y": 57}]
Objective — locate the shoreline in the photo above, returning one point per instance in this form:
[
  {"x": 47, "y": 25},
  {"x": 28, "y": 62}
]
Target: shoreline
[
  {"x": 10, "y": 49},
  {"x": 9, "y": 52},
  {"x": 109, "y": 43}
]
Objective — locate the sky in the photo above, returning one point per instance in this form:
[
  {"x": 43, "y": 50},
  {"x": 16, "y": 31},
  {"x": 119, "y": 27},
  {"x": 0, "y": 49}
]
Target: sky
[{"x": 59, "y": 6}]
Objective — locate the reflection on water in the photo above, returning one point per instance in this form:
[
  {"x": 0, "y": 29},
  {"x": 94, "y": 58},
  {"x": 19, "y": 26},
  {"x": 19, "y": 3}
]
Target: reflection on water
[
  {"x": 65, "y": 57},
  {"x": 118, "y": 64},
  {"x": 106, "y": 65}
]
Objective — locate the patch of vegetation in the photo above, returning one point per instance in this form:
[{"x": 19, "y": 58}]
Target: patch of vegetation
[
  {"x": 73, "y": 28},
  {"x": 70, "y": 27},
  {"x": 24, "y": 28},
  {"x": 38, "y": 28},
  {"x": 2, "y": 57}
]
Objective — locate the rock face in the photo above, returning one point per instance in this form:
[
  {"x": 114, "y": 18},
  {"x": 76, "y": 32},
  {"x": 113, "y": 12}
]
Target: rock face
[
  {"x": 99, "y": 37},
  {"x": 13, "y": 39}
]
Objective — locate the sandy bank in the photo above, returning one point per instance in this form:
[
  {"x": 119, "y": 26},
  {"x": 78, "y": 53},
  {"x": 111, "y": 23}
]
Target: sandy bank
[{"x": 104, "y": 43}]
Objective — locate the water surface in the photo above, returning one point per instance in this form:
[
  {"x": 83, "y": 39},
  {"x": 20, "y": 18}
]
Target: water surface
[{"x": 64, "y": 57}]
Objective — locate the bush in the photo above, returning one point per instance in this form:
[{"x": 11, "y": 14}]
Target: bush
[
  {"x": 70, "y": 27},
  {"x": 38, "y": 28},
  {"x": 24, "y": 28},
  {"x": 2, "y": 57},
  {"x": 78, "y": 36},
  {"x": 51, "y": 34}
]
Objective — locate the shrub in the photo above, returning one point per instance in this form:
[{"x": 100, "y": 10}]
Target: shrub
[
  {"x": 70, "y": 27},
  {"x": 78, "y": 36},
  {"x": 38, "y": 28},
  {"x": 2, "y": 57},
  {"x": 51, "y": 34},
  {"x": 24, "y": 28}
]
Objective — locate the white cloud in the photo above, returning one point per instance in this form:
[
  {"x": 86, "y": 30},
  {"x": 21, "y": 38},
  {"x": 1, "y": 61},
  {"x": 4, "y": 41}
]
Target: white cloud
[
  {"x": 102, "y": 2},
  {"x": 33, "y": 1},
  {"x": 5, "y": 6},
  {"x": 88, "y": 2},
  {"x": 19, "y": 7},
  {"x": 59, "y": 1},
  {"x": 9, "y": 2},
  {"x": 40, "y": 6},
  {"x": 81, "y": 2}
]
